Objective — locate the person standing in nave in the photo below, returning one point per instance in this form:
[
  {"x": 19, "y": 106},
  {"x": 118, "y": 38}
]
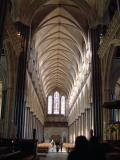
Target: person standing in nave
[
  {"x": 96, "y": 149},
  {"x": 80, "y": 151},
  {"x": 57, "y": 143},
  {"x": 91, "y": 133},
  {"x": 52, "y": 143},
  {"x": 61, "y": 145}
]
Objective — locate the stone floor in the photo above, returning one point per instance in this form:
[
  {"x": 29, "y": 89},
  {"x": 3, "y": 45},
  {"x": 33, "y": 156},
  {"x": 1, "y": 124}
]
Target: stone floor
[{"x": 53, "y": 155}]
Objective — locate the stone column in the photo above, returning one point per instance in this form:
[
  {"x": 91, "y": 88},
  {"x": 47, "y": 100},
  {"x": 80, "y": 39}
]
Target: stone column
[
  {"x": 30, "y": 122},
  {"x": 87, "y": 122},
  {"x": 82, "y": 125},
  {"x": 91, "y": 116},
  {"x": 33, "y": 121},
  {"x": 39, "y": 130},
  {"x": 3, "y": 9},
  {"x": 27, "y": 123},
  {"x": 28, "y": 119},
  {"x": 77, "y": 126},
  {"x": 118, "y": 6},
  {"x": 73, "y": 132},
  {"x": 70, "y": 133},
  {"x": 96, "y": 79},
  {"x": 21, "y": 77}
]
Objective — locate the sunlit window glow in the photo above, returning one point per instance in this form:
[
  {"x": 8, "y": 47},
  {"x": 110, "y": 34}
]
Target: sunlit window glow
[
  {"x": 56, "y": 102},
  {"x": 50, "y": 105},
  {"x": 63, "y": 105}
]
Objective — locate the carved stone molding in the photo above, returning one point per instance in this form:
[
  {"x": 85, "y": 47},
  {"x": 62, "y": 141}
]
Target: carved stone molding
[
  {"x": 56, "y": 124},
  {"x": 111, "y": 32}
]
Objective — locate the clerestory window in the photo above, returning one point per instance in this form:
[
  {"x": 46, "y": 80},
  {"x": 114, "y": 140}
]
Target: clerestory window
[{"x": 56, "y": 104}]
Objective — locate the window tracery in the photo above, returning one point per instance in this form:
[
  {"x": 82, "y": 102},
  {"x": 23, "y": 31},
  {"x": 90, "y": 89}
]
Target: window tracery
[{"x": 56, "y": 104}]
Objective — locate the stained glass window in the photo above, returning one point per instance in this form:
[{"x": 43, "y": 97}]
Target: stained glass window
[
  {"x": 56, "y": 102},
  {"x": 50, "y": 105},
  {"x": 63, "y": 105}
]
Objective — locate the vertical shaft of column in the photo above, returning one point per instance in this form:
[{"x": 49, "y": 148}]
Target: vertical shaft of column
[
  {"x": 96, "y": 79},
  {"x": 33, "y": 123},
  {"x": 3, "y": 9},
  {"x": 39, "y": 139},
  {"x": 91, "y": 116},
  {"x": 118, "y": 6},
  {"x": 28, "y": 122},
  {"x": 30, "y": 125},
  {"x": 70, "y": 134},
  {"x": 70, "y": 140},
  {"x": 21, "y": 77},
  {"x": 29, "y": 133},
  {"x": 38, "y": 128},
  {"x": 36, "y": 125},
  {"x": 73, "y": 132},
  {"x": 81, "y": 123},
  {"x": 39, "y": 131},
  {"x": 76, "y": 127},
  {"x": 86, "y": 125},
  {"x": 88, "y": 122},
  {"x": 25, "y": 123}
]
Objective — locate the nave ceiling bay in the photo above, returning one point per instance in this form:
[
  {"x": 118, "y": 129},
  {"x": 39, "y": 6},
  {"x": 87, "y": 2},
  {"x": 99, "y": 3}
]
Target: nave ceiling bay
[{"x": 59, "y": 38}]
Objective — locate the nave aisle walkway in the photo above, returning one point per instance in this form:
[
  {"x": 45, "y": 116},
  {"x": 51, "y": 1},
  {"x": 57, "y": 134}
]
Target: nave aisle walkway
[
  {"x": 53, "y": 149},
  {"x": 53, "y": 155}
]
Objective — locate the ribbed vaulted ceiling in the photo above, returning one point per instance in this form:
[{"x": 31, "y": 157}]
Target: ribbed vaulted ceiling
[
  {"x": 59, "y": 44},
  {"x": 60, "y": 40}
]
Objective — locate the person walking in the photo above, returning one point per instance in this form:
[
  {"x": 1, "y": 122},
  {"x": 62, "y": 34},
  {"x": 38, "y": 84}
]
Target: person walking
[{"x": 61, "y": 145}]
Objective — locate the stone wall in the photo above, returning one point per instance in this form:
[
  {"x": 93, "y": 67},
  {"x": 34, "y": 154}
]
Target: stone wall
[{"x": 61, "y": 131}]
